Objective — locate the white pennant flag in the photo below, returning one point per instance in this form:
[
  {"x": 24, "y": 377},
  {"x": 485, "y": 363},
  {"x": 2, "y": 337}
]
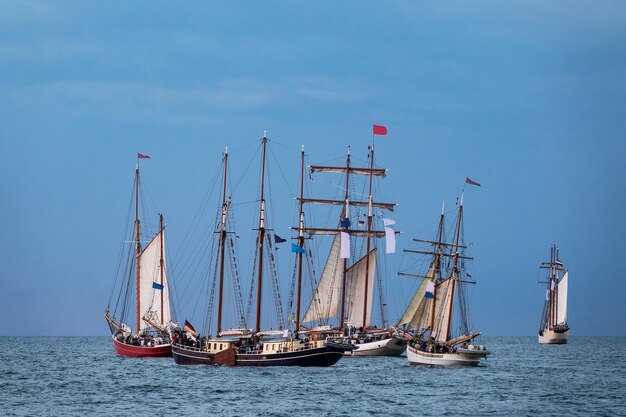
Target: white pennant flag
[
  {"x": 345, "y": 245},
  {"x": 390, "y": 240},
  {"x": 388, "y": 222}
]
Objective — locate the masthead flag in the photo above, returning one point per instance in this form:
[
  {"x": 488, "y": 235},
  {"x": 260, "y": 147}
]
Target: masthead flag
[
  {"x": 189, "y": 327},
  {"x": 278, "y": 239},
  {"x": 468, "y": 181},
  {"x": 142, "y": 156},
  {"x": 379, "y": 130}
]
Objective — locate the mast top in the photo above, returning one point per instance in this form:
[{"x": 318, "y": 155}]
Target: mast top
[
  {"x": 348, "y": 149},
  {"x": 443, "y": 206},
  {"x": 226, "y": 151},
  {"x": 302, "y": 148},
  {"x": 265, "y": 134}
]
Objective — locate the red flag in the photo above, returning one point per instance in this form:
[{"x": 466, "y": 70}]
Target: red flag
[
  {"x": 468, "y": 181},
  {"x": 379, "y": 130},
  {"x": 142, "y": 156}
]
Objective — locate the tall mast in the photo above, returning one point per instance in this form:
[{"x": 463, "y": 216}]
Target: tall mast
[
  {"x": 138, "y": 250},
  {"x": 369, "y": 230},
  {"x": 261, "y": 237},
  {"x": 300, "y": 241},
  {"x": 222, "y": 247},
  {"x": 454, "y": 266},
  {"x": 161, "y": 263},
  {"x": 345, "y": 260},
  {"x": 437, "y": 268}
]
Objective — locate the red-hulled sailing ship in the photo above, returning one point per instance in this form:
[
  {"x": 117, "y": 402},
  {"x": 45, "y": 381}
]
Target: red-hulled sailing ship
[
  {"x": 153, "y": 324},
  {"x": 242, "y": 347}
]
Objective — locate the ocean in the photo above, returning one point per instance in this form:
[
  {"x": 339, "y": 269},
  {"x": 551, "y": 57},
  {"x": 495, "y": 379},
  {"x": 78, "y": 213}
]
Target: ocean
[{"x": 82, "y": 376}]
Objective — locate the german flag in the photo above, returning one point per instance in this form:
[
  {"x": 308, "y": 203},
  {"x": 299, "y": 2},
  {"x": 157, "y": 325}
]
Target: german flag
[{"x": 189, "y": 327}]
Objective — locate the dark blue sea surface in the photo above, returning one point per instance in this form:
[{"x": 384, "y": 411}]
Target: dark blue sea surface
[{"x": 83, "y": 376}]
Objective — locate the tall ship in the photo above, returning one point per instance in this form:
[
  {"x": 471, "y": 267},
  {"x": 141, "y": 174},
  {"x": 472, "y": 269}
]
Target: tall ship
[
  {"x": 144, "y": 276},
  {"x": 554, "y": 328},
  {"x": 342, "y": 305},
  {"x": 256, "y": 347},
  {"x": 437, "y": 318}
]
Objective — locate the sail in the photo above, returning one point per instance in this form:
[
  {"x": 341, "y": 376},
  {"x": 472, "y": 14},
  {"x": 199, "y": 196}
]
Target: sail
[
  {"x": 325, "y": 301},
  {"x": 416, "y": 314},
  {"x": 443, "y": 298},
  {"x": 355, "y": 288},
  {"x": 149, "y": 274},
  {"x": 561, "y": 315}
]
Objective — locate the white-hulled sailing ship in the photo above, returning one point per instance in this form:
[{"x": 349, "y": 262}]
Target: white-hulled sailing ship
[
  {"x": 346, "y": 292},
  {"x": 153, "y": 324},
  {"x": 554, "y": 328},
  {"x": 437, "y": 318},
  {"x": 255, "y": 347}
]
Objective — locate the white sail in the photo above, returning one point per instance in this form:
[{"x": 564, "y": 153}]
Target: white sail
[
  {"x": 325, "y": 301},
  {"x": 416, "y": 314},
  {"x": 355, "y": 288},
  {"x": 561, "y": 315},
  {"x": 443, "y": 298},
  {"x": 149, "y": 273}
]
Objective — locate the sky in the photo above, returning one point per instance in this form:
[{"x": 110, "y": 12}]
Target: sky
[{"x": 526, "y": 98}]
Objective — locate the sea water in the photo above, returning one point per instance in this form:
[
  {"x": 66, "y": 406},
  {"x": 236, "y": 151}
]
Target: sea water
[{"x": 46, "y": 376}]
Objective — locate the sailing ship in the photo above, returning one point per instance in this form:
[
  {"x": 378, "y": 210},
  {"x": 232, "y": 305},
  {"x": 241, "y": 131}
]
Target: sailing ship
[
  {"x": 345, "y": 292},
  {"x": 243, "y": 347},
  {"x": 153, "y": 324},
  {"x": 554, "y": 328},
  {"x": 441, "y": 298}
]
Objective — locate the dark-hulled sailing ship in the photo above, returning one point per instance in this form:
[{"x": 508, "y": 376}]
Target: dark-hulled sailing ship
[{"x": 255, "y": 347}]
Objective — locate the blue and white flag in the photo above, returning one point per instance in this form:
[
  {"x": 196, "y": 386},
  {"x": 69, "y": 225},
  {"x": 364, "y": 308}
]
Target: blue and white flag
[
  {"x": 430, "y": 290},
  {"x": 157, "y": 286}
]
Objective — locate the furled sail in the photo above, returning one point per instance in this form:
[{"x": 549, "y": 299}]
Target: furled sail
[
  {"x": 355, "y": 288},
  {"x": 561, "y": 316},
  {"x": 149, "y": 275},
  {"x": 325, "y": 301},
  {"x": 416, "y": 314}
]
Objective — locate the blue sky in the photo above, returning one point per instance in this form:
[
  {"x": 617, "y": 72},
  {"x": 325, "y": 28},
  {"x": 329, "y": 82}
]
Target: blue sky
[{"x": 527, "y": 98}]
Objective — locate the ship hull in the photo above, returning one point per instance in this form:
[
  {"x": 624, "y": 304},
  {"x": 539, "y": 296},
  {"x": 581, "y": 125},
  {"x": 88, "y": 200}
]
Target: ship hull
[
  {"x": 319, "y": 357},
  {"x": 550, "y": 337},
  {"x": 463, "y": 357},
  {"x": 160, "y": 351},
  {"x": 386, "y": 347}
]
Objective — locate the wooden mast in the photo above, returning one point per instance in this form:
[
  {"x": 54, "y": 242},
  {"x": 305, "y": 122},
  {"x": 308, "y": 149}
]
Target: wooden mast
[
  {"x": 261, "y": 238},
  {"x": 454, "y": 269},
  {"x": 300, "y": 241},
  {"x": 161, "y": 263},
  {"x": 369, "y": 229},
  {"x": 137, "y": 251},
  {"x": 345, "y": 260},
  {"x": 437, "y": 268},
  {"x": 222, "y": 247}
]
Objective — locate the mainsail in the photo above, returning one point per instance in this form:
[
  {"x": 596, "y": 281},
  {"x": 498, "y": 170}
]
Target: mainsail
[
  {"x": 355, "y": 284},
  {"x": 416, "y": 316},
  {"x": 325, "y": 301},
  {"x": 561, "y": 316},
  {"x": 443, "y": 298},
  {"x": 150, "y": 273}
]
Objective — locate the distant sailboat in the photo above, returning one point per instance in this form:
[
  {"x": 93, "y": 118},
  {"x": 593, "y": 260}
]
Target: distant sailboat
[
  {"x": 440, "y": 298},
  {"x": 152, "y": 307},
  {"x": 554, "y": 328}
]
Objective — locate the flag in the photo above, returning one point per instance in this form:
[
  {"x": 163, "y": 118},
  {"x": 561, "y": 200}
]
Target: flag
[
  {"x": 388, "y": 222},
  {"x": 345, "y": 245},
  {"x": 142, "y": 156},
  {"x": 157, "y": 286},
  {"x": 361, "y": 222},
  {"x": 468, "y": 275},
  {"x": 390, "y": 240},
  {"x": 430, "y": 290},
  {"x": 559, "y": 262},
  {"x": 296, "y": 249},
  {"x": 468, "y": 181},
  {"x": 278, "y": 239},
  {"x": 379, "y": 130},
  {"x": 189, "y": 327},
  {"x": 345, "y": 223}
]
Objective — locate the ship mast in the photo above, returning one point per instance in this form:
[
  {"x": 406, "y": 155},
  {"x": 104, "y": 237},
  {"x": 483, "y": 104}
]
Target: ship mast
[
  {"x": 345, "y": 260},
  {"x": 137, "y": 250},
  {"x": 222, "y": 247},
  {"x": 437, "y": 262},
  {"x": 261, "y": 237},
  {"x": 454, "y": 265},
  {"x": 368, "y": 238},
  {"x": 161, "y": 263},
  {"x": 300, "y": 241}
]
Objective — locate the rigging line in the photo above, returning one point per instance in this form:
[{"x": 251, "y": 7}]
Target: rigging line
[
  {"x": 286, "y": 146},
  {"x": 244, "y": 147},
  {"x": 281, "y": 172},
  {"x": 245, "y": 171},
  {"x": 340, "y": 158}
]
